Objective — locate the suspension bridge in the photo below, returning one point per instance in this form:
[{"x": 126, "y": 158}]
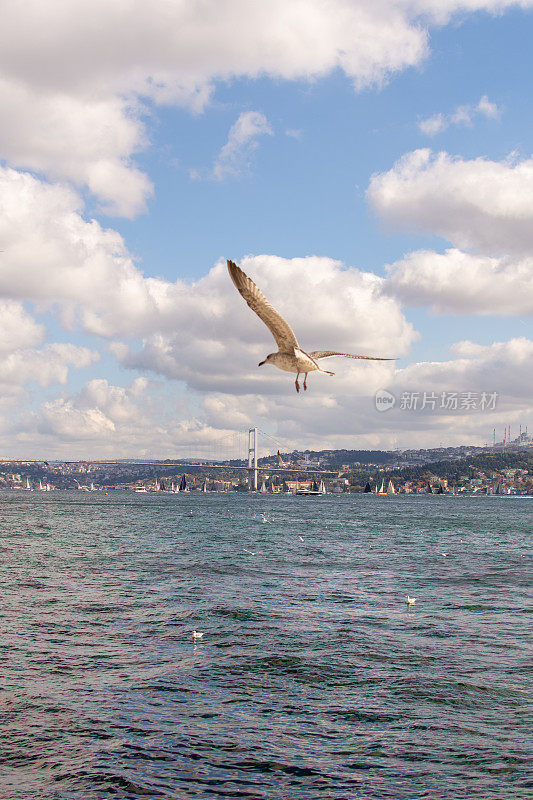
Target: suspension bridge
[{"x": 236, "y": 450}]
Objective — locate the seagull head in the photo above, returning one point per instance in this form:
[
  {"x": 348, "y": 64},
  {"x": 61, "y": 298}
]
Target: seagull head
[{"x": 267, "y": 359}]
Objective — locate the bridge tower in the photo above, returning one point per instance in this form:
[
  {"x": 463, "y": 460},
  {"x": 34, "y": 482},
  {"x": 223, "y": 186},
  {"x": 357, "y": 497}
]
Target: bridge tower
[{"x": 252, "y": 460}]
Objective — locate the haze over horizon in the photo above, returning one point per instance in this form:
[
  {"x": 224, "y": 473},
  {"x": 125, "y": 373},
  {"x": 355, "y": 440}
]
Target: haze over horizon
[{"x": 379, "y": 150}]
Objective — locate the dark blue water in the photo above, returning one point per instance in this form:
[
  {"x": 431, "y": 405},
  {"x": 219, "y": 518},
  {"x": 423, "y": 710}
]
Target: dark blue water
[{"x": 313, "y": 678}]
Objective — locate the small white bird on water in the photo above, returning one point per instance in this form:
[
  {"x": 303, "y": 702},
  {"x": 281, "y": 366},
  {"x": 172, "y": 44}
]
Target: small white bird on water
[
  {"x": 197, "y": 635},
  {"x": 290, "y": 357},
  {"x": 410, "y": 600}
]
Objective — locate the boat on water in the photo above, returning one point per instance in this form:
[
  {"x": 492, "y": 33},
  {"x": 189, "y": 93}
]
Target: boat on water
[
  {"x": 390, "y": 488},
  {"x": 381, "y": 488},
  {"x": 313, "y": 490},
  {"x": 183, "y": 485}
]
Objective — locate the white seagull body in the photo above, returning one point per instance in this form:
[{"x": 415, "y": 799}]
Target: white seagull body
[{"x": 290, "y": 357}]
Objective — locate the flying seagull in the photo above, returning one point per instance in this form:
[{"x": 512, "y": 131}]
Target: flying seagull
[{"x": 290, "y": 357}]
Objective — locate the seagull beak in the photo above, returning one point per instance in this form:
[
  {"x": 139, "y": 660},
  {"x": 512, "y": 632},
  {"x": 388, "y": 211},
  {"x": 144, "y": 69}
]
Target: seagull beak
[{"x": 260, "y": 363}]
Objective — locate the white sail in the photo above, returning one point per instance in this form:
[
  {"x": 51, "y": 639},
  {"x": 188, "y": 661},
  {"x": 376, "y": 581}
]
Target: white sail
[
  {"x": 390, "y": 488},
  {"x": 382, "y": 488}
]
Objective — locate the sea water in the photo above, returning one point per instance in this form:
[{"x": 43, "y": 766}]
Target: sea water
[{"x": 313, "y": 679}]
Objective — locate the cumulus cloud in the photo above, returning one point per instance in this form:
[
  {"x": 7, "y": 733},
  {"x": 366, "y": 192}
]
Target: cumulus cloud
[
  {"x": 108, "y": 419},
  {"x": 234, "y": 158},
  {"x": 475, "y": 204},
  {"x": 19, "y": 329},
  {"x": 58, "y": 260},
  {"x": 87, "y": 142},
  {"x": 461, "y": 283},
  {"x": 74, "y": 100},
  {"x": 45, "y": 366},
  {"x": 132, "y": 420},
  {"x": 463, "y": 115},
  {"x": 216, "y": 341},
  {"x": 339, "y": 418}
]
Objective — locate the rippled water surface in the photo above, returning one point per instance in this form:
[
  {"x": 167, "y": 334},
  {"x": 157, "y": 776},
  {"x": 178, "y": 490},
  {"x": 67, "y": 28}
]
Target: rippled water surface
[{"x": 313, "y": 678}]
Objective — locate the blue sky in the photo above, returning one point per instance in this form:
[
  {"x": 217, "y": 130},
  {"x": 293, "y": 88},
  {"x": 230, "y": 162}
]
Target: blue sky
[{"x": 87, "y": 143}]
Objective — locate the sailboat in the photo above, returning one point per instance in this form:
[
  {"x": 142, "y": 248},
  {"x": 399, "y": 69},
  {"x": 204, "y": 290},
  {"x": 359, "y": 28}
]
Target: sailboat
[
  {"x": 322, "y": 488},
  {"x": 263, "y": 489},
  {"x": 183, "y": 484},
  {"x": 390, "y": 488},
  {"x": 367, "y": 488},
  {"x": 204, "y": 487},
  {"x": 382, "y": 488}
]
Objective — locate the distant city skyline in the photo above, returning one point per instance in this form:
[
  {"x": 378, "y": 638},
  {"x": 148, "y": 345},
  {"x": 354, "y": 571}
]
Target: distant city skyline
[{"x": 381, "y": 150}]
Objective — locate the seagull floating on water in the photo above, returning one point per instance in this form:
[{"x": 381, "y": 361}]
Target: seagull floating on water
[
  {"x": 290, "y": 357},
  {"x": 410, "y": 600},
  {"x": 197, "y": 635}
]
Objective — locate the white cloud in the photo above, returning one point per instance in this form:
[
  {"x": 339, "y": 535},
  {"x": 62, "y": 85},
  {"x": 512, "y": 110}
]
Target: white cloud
[
  {"x": 45, "y": 366},
  {"x": 433, "y": 125},
  {"x": 234, "y": 158},
  {"x": 18, "y": 328},
  {"x": 216, "y": 341},
  {"x": 346, "y": 417},
  {"x": 73, "y": 99},
  {"x": 461, "y": 283},
  {"x": 109, "y": 420},
  {"x": 476, "y": 203},
  {"x": 89, "y": 142},
  {"x": 463, "y": 115},
  {"x": 56, "y": 259},
  {"x": 133, "y": 421}
]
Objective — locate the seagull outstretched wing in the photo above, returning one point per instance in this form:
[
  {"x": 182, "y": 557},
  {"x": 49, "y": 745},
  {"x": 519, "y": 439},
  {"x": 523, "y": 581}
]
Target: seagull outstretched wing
[
  {"x": 280, "y": 330},
  {"x": 328, "y": 353}
]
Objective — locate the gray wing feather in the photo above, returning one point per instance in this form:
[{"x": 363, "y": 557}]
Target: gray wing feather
[
  {"x": 328, "y": 353},
  {"x": 280, "y": 330}
]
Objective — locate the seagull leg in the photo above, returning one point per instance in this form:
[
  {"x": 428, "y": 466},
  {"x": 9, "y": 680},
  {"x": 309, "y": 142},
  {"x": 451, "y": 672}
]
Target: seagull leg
[
  {"x": 296, "y": 383},
  {"x": 305, "y": 382}
]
